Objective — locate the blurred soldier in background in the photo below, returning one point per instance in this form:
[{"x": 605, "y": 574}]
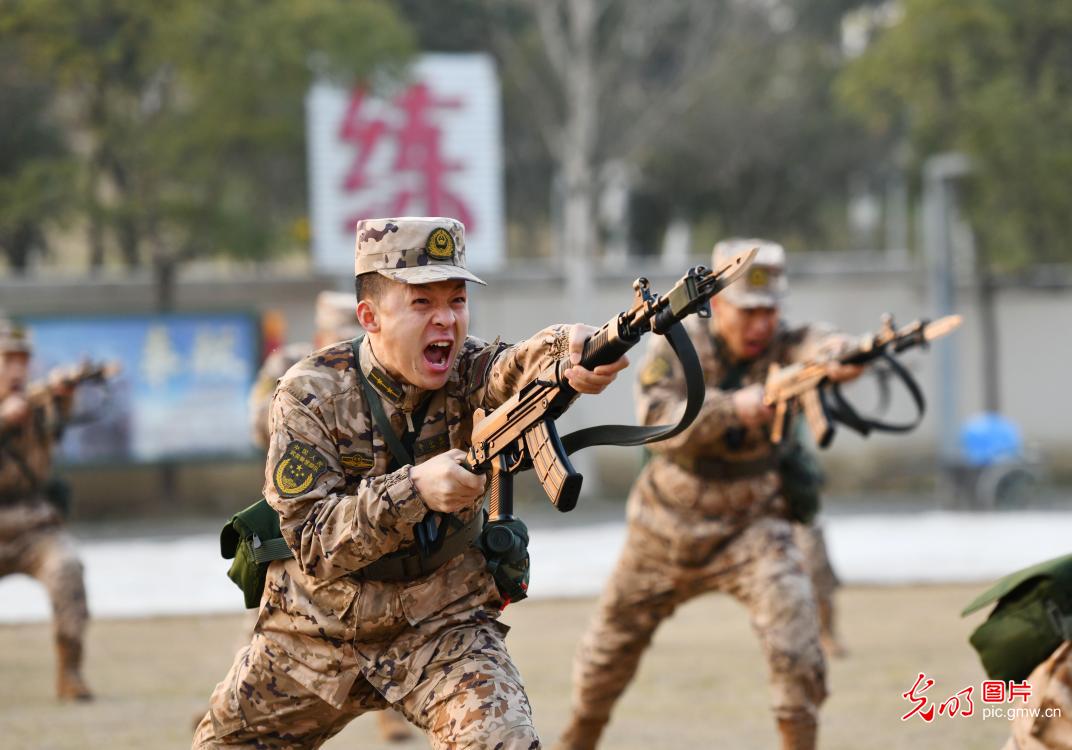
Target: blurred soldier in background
[
  {"x": 714, "y": 510},
  {"x": 377, "y": 606},
  {"x": 812, "y": 543},
  {"x": 32, "y": 538},
  {"x": 336, "y": 320}
]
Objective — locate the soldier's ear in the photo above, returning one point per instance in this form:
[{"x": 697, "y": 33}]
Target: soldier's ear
[{"x": 367, "y": 316}]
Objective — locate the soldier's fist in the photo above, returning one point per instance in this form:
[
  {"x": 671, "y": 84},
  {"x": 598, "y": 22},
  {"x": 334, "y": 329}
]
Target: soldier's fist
[
  {"x": 14, "y": 409},
  {"x": 445, "y": 485},
  {"x": 584, "y": 380},
  {"x": 748, "y": 403}
]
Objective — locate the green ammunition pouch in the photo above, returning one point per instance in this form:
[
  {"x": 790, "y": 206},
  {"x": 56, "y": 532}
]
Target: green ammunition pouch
[
  {"x": 1032, "y": 618},
  {"x": 57, "y": 492},
  {"x": 252, "y": 539},
  {"x": 802, "y": 481},
  {"x": 505, "y": 544}
]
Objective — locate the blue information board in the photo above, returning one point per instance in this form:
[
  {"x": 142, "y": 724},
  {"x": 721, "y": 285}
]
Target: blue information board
[{"x": 182, "y": 392}]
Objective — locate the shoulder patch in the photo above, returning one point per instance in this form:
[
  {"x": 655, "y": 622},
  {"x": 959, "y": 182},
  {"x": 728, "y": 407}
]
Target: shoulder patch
[
  {"x": 656, "y": 370},
  {"x": 357, "y": 461},
  {"x": 298, "y": 469}
]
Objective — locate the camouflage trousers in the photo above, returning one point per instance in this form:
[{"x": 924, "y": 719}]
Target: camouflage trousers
[
  {"x": 1051, "y": 696},
  {"x": 812, "y": 543},
  {"x": 46, "y": 553},
  {"x": 761, "y": 568},
  {"x": 467, "y": 698}
]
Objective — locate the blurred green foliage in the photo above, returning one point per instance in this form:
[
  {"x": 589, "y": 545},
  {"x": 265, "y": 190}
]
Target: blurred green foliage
[
  {"x": 991, "y": 79},
  {"x": 36, "y": 171},
  {"x": 185, "y": 118},
  {"x": 764, "y": 150},
  {"x": 153, "y": 133}
]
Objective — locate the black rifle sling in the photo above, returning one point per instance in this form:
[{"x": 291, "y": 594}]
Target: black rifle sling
[
  {"x": 620, "y": 434},
  {"x": 844, "y": 412},
  {"x": 402, "y": 453},
  {"x": 430, "y": 532},
  {"x": 20, "y": 462}
]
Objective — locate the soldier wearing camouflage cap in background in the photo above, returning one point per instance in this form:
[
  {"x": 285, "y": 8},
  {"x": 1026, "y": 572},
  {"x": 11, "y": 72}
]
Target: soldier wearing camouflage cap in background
[
  {"x": 709, "y": 512},
  {"x": 362, "y": 618},
  {"x": 335, "y": 320},
  {"x": 33, "y": 540}
]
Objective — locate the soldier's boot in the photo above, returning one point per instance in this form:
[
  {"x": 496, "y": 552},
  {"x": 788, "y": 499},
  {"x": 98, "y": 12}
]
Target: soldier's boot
[
  {"x": 828, "y": 637},
  {"x": 798, "y": 733},
  {"x": 393, "y": 726},
  {"x": 69, "y": 682},
  {"x": 581, "y": 734}
]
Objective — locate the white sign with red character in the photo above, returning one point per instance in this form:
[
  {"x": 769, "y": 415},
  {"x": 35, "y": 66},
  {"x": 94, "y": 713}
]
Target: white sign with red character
[{"x": 433, "y": 148}]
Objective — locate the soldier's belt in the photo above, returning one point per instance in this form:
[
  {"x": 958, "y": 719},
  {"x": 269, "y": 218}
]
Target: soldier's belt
[
  {"x": 13, "y": 498},
  {"x": 409, "y": 564},
  {"x": 714, "y": 468}
]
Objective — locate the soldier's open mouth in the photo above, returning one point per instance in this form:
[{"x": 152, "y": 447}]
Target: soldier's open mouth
[{"x": 437, "y": 355}]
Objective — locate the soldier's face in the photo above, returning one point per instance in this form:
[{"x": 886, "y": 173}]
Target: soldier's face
[
  {"x": 418, "y": 329},
  {"x": 14, "y": 370},
  {"x": 747, "y": 331}
]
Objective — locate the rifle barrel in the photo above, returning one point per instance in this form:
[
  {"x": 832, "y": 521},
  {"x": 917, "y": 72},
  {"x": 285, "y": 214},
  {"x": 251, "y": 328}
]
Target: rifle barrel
[{"x": 938, "y": 328}]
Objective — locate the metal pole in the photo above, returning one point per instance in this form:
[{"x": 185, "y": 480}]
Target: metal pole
[{"x": 939, "y": 172}]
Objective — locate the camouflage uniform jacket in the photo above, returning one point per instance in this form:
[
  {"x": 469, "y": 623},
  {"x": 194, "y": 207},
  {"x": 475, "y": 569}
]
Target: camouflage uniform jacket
[
  {"x": 688, "y": 511},
  {"x": 25, "y": 462},
  {"x": 340, "y": 509},
  {"x": 274, "y": 367}
]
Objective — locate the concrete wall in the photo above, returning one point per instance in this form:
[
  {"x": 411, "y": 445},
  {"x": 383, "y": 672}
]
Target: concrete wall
[{"x": 1033, "y": 324}]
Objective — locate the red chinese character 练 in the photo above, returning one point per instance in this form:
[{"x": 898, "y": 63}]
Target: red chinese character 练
[
  {"x": 1021, "y": 690},
  {"x": 419, "y": 157},
  {"x": 993, "y": 691},
  {"x": 952, "y": 705},
  {"x": 924, "y": 708}
]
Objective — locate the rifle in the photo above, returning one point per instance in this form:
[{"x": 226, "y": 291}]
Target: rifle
[
  {"x": 521, "y": 434},
  {"x": 806, "y": 383},
  {"x": 38, "y": 393}
]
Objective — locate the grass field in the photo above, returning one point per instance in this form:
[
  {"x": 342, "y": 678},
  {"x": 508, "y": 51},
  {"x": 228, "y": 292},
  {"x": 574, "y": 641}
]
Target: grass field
[{"x": 700, "y": 686}]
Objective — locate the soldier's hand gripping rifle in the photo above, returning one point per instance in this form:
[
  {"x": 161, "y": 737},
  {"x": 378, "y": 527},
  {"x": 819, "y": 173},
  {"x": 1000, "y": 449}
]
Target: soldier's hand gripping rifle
[
  {"x": 806, "y": 383},
  {"x": 65, "y": 378},
  {"x": 62, "y": 380},
  {"x": 521, "y": 433}
]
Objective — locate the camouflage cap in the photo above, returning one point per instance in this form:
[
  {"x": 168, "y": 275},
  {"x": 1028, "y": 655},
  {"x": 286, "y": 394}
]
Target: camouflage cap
[
  {"x": 764, "y": 283},
  {"x": 413, "y": 250},
  {"x": 14, "y": 339},
  {"x": 336, "y": 315}
]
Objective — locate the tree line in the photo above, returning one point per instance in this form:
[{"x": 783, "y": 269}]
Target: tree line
[{"x": 156, "y": 133}]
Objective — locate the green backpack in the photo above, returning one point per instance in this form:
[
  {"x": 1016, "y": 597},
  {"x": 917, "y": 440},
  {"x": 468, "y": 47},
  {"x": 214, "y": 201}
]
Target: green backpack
[
  {"x": 252, "y": 539},
  {"x": 1033, "y": 617}
]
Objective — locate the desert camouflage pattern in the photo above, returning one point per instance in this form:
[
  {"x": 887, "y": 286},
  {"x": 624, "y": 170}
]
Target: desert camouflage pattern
[
  {"x": 764, "y": 284},
  {"x": 689, "y": 535},
  {"x": 14, "y": 338},
  {"x": 413, "y": 250},
  {"x": 32, "y": 538},
  {"x": 330, "y": 318},
  {"x": 812, "y": 543},
  {"x": 274, "y": 367},
  {"x": 327, "y": 646},
  {"x": 336, "y": 316},
  {"x": 1051, "y": 693}
]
